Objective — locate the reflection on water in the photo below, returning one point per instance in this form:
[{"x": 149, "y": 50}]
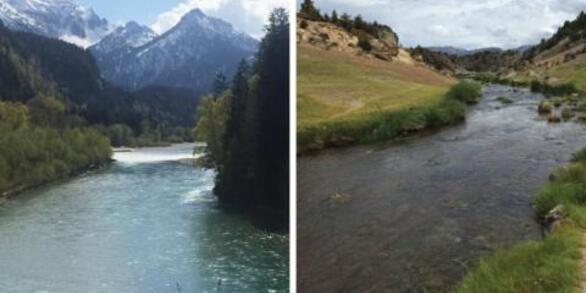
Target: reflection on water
[
  {"x": 136, "y": 227},
  {"x": 416, "y": 213}
]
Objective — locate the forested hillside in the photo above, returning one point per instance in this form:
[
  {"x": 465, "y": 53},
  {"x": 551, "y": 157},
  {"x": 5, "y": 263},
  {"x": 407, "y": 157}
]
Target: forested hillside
[
  {"x": 246, "y": 128},
  {"x": 34, "y": 66}
]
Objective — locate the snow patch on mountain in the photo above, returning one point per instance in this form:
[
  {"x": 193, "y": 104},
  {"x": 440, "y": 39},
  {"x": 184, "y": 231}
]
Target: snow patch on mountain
[
  {"x": 60, "y": 19},
  {"x": 187, "y": 55}
]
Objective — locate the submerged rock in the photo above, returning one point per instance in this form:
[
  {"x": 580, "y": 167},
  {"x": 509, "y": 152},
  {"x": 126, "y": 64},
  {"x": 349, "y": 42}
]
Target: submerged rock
[{"x": 339, "y": 198}]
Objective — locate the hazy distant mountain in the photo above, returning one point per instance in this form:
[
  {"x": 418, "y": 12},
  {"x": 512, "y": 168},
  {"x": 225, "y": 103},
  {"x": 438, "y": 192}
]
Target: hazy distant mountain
[
  {"x": 61, "y": 19},
  {"x": 462, "y": 52},
  {"x": 187, "y": 55}
]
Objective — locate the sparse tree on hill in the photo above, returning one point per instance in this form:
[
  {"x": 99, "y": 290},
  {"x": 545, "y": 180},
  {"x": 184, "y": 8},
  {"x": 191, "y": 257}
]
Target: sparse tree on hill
[
  {"x": 309, "y": 11},
  {"x": 334, "y": 18}
]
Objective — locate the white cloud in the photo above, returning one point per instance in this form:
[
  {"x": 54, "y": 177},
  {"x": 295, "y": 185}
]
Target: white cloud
[
  {"x": 246, "y": 15},
  {"x": 464, "y": 23}
]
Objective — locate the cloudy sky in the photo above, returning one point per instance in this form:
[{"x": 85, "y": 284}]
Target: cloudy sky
[
  {"x": 464, "y": 23},
  {"x": 246, "y": 15}
]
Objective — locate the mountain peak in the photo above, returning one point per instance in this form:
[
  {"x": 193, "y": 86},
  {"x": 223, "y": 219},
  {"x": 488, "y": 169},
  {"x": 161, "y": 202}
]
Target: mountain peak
[
  {"x": 62, "y": 19},
  {"x": 184, "y": 56},
  {"x": 131, "y": 35}
]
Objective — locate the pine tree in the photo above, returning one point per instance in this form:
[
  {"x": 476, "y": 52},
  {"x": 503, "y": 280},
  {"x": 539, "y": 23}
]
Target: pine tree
[
  {"x": 334, "y": 18},
  {"x": 220, "y": 84},
  {"x": 309, "y": 11}
]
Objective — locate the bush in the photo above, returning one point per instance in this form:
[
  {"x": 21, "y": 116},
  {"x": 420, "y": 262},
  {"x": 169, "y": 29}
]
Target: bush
[
  {"x": 567, "y": 114},
  {"x": 544, "y": 107},
  {"x": 364, "y": 43},
  {"x": 303, "y": 24},
  {"x": 505, "y": 100},
  {"x": 579, "y": 156},
  {"x": 466, "y": 91}
]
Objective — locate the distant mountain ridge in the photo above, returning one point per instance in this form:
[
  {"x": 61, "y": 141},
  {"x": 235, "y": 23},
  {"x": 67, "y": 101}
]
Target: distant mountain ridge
[
  {"x": 60, "y": 19},
  {"x": 187, "y": 55},
  {"x": 463, "y": 52}
]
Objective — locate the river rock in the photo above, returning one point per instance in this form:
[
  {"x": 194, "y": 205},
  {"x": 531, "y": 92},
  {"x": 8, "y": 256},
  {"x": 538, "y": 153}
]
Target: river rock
[{"x": 553, "y": 219}]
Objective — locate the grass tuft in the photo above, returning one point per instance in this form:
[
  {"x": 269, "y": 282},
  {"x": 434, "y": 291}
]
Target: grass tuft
[{"x": 550, "y": 265}]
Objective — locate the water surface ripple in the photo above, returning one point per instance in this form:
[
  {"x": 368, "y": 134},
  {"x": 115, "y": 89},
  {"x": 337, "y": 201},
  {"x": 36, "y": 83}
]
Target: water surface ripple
[
  {"x": 144, "y": 224},
  {"x": 416, "y": 213}
]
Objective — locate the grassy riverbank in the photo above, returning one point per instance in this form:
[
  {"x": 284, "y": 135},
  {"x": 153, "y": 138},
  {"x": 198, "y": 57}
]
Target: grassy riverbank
[
  {"x": 345, "y": 100},
  {"x": 548, "y": 265},
  {"x": 384, "y": 124}
]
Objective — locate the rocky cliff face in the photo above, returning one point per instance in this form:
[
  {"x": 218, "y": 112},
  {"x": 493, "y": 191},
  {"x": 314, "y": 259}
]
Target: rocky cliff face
[{"x": 385, "y": 45}]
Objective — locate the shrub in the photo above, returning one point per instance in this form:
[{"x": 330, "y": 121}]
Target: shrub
[
  {"x": 364, "y": 43},
  {"x": 544, "y": 107},
  {"x": 466, "y": 91},
  {"x": 303, "y": 24},
  {"x": 579, "y": 156},
  {"x": 567, "y": 114},
  {"x": 505, "y": 100}
]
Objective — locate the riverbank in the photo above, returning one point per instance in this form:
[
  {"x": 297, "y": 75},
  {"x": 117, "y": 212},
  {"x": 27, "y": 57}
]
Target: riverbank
[
  {"x": 434, "y": 204},
  {"x": 383, "y": 125},
  {"x": 7, "y": 194},
  {"x": 553, "y": 264}
]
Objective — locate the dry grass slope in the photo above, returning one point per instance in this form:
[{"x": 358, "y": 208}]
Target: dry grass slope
[{"x": 334, "y": 86}]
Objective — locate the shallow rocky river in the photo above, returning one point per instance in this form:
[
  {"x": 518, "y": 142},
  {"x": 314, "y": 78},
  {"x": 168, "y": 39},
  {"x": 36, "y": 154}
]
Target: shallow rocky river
[{"x": 413, "y": 215}]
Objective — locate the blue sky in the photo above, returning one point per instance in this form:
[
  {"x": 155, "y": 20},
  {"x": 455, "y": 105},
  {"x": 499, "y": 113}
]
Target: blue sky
[
  {"x": 464, "y": 23},
  {"x": 246, "y": 15}
]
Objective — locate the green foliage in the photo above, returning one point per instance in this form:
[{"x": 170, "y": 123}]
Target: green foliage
[
  {"x": 567, "y": 114},
  {"x": 505, "y": 100},
  {"x": 214, "y": 114},
  {"x": 32, "y": 155},
  {"x": 61, "y": 85},
  {"x": 545, "y": 107},
  {"x": 379, "y": 126},
  {"x": 247, "y": 128},
  {"x": 550, "y": 265},
  {"x": 553, "y": 90},
  {"x": 579, "y": 157},
  {"x": 364, "y": 43},
  {"x": 309, "y": 11},
  {"x": 544, "y": 266},
  {"x": 466, "y": 91}
]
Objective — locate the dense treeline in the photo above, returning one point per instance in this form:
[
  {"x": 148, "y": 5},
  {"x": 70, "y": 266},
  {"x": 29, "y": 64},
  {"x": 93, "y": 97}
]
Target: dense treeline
[
  {"x": 34, "y": 66},
  {"x": 32, "y": 153},
  {"x": 246, "y": 128}
]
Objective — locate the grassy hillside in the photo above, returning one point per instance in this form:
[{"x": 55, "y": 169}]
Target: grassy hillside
[
  {"x": 337, "y": 86},
  {"x": 345, "y": 99},
  {"x": 573, "y": 72}
]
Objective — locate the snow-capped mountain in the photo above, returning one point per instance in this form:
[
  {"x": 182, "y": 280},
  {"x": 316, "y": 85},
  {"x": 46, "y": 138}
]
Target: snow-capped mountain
[
  {"x": 187, "y": 55},
  {"x": 131, "y": 35},
  {"x": 62, "y": 19}
]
